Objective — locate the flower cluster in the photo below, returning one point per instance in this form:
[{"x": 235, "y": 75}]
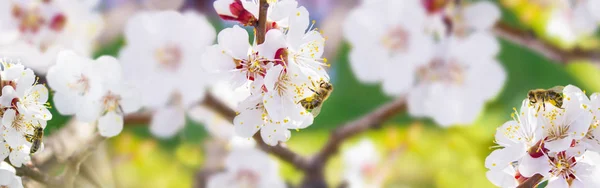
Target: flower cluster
[
  {"x": 434, "y": 55},
  {"x": 92, "y": 90},
  {"x": 572, "y": 21},
  {"x": 548, "y": 140},
  {"x": 24, "y": 111},
  {"x": 279, "y": 73},
  {"x": 162, "y": 58},
  {"x": 36, "y": 30}
]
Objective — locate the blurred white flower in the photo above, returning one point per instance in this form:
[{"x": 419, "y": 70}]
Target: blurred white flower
[
  {"x": 385, "y": 35},
  {"x": 8, "y": 176},
  {"x": 453, "y": 87},
  {"x": 36, "y": 30},
  {"x": 448, "y": 79},
  {"x": 246, "y": 11},
  {"x": 361, "y": 165},
  {"x": 163, "y": 59},
  {"x": 471, "y": 18},
  {"x": 247, "y": 167},
  {"x": 93, "y": 91},
  {"x": 571, "y": 21}
]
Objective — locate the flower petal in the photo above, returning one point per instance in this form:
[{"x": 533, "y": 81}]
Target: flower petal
[
  {"x": 167, "y": 121},
  {"x": 110, "y": 124},
  {"x": 235, "y": 41}
]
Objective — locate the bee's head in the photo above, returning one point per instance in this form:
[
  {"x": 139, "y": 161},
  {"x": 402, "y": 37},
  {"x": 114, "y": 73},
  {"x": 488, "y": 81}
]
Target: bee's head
[
  {"x": 531, "y": 95},
  {"x": 325, "y": 85}
]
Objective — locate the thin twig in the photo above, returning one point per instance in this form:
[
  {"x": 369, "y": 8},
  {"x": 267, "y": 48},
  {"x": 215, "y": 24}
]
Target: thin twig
[
  {"x": 261, "y": 29},
  {"x": 531, "y": 182},
  {"x": 35, "y": 174},
  {"x": 527, "y": 39},
  {"x": 355, "y": 127},
  {"x": 314, "y": 175}
]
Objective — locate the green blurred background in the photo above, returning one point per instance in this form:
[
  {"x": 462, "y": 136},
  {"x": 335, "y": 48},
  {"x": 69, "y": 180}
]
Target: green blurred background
[{"x": 430, "y": 157}]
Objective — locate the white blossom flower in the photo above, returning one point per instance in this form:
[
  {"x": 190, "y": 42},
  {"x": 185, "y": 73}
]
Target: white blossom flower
[
  {"x": 76, "y": 82},
  {"x": 565, "y": 169},
  {"x": 572, "y": 122},
  {"x": 387, "y": 34},
  {"x": 23, "y": 108},
  {"x": 453, "y": 87},
  {"x": 240, "y": 62},
  {"x": 361, "y": 165},
  {"x": 247, "y": 167},
  {"x": 93, "y": 90},
  {"x": 548, "y": 140},
  {"x": 571, "y": 21},
  {"x": 8, "y": 176},
  {"x": 36, "y": 30},
  {"x": 246, "y": 11},
  {"x": 591, "y": 158},
  {"x": 254, "y": 117},
  {"x": 305, "y": 46},
  {"x": 163, "y": 59},
  {"x": 471, "y": 18},
  {"x": 592, "y": 137},
  {"x": 449, "y": 79},
  {"x": 515, "y": 138}
]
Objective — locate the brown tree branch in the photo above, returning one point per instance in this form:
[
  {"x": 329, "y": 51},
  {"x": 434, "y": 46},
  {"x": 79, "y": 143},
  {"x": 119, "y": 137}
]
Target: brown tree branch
[
  {"x": 531, "y": 182},
  {"x": 314, "y": 173},
  {"x": 35, "y": 174},
  {"x": 261, "y": 29},
  {"x": 551, "y": 52}
]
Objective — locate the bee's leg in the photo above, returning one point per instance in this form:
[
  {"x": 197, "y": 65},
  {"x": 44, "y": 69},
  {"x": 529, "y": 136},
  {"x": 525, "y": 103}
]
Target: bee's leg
[
  {"x": 314, "y": 91},
  {"x": 544, "y": 103}
]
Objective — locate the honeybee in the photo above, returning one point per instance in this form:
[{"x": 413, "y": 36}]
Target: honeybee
[
  {"x": 35, "y": 139},
  {"x": 553, "y": 95},
  {"x": 321, "y": 93}
]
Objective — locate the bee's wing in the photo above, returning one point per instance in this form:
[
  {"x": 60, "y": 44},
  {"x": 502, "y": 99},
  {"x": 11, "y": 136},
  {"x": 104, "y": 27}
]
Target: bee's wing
[
  {"x": 315, "y": 112},
  {"x": 558, "y": 89}
]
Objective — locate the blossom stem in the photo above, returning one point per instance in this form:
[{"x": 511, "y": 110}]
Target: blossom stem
[
  {"x": 261, "y": 28},
  {"x": 531, "y": 182},
  {"x": 527, "y": 39},
  {"x": 35, "y": 174}
]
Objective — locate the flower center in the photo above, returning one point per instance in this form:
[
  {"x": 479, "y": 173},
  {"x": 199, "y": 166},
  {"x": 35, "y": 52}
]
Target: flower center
[
  {"x": 111, "y": 102},
  {"x": 82, "y": 84},
  {"x": 18, "y": 123},
  {"x": 169, "y": 57},
  {"x": 556, "y": 131},
  {"x": 247, "y": 178},
  {"x": 282, "y": 83},
  {"x": 30, "y": 20},
  {"x": 563, "y": 166},
  {"x": 254, "y": 67},
  {"x": 369, "y": 171},
  {"x": 396, "y": 39},
  {"x": 439, "y": 70}
]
